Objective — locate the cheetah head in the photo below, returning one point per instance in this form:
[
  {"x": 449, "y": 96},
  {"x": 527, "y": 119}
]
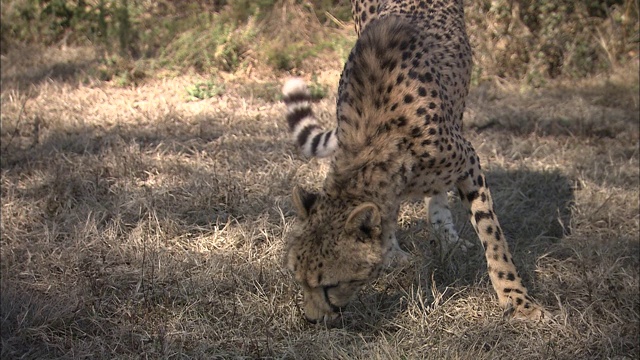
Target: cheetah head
[{"x": 335, "y": 251}]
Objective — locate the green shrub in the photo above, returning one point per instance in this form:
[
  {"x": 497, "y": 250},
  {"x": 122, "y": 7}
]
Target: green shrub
[
  {"x": 317, "y": 90},
  {"x": 527, "y": 39},
  {"x": 208, "y": 46},
  {"x": 286, "y": 57},
  {"x": 204, "y": 90}
]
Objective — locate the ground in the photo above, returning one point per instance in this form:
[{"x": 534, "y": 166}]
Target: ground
[{"x": 139, "y": 222}]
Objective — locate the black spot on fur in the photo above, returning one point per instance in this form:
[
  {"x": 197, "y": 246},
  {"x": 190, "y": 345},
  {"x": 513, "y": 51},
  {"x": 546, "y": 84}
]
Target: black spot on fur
[
  {"x": 480, "y": 215},
  {"x": 408, "y": 98},
  {"x": 472, "y": 196},
  {"x": 428, "y": 77}
]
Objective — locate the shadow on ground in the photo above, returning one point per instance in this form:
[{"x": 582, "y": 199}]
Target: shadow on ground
[
  {"x": 534, "y": 210},
  {"x": 46, "y": 65},
  {"x": 181, "y": 181}
]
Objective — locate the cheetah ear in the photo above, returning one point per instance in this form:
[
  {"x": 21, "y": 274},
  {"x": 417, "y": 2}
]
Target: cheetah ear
[
  {"x": 303, "y": 201},
  {"x": 364, "y": 222}
]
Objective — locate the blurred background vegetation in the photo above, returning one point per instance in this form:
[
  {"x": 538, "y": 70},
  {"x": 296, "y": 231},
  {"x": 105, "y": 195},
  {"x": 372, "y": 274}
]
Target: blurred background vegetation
[{"x": 530, "y": 40}]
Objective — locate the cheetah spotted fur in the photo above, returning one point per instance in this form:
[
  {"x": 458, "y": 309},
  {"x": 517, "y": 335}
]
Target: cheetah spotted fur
[{"x": 400, "y": 103}]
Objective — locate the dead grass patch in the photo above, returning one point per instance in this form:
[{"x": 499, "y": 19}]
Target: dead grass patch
[{"x": 136, "y": 222}]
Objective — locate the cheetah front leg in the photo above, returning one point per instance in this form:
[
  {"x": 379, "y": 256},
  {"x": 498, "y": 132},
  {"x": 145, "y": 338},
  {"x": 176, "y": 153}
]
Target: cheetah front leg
[
  {"x": 395, "y": 256},
  {"x": 442, "y": 222},
  {"x": 506, "y": 281}
]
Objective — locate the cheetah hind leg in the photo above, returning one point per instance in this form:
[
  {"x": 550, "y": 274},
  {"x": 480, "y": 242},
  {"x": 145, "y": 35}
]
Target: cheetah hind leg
[
  {"x": 506, "y": 281},
  {"x": 442, "y": 224}
]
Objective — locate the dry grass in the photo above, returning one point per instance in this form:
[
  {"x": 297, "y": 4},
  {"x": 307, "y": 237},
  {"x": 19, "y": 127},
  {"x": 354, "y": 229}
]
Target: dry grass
[{"x": 137, "y": 224}]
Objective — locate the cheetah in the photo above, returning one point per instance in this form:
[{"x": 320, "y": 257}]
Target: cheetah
[{"x": 400, "y": 103}]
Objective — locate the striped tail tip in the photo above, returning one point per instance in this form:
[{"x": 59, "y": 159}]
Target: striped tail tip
[
  {"x": 305, "y": 130},
  {"x": 295, "y": 90}
]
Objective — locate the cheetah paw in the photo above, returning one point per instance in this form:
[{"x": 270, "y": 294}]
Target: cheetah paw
[
  {"x": 448, "y": 238},
  {"x": 397, "y": 258},
  {"x": 532, "y": 312}
]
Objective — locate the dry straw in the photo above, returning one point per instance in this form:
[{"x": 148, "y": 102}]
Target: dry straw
[{"x": 137, "y": 224}]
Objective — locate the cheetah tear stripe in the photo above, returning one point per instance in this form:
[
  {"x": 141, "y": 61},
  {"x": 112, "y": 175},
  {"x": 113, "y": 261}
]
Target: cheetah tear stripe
[{"x": 304, "y": 128}]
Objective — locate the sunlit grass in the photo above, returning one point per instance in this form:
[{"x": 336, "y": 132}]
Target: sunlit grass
[{"x": 136, "y": 222}]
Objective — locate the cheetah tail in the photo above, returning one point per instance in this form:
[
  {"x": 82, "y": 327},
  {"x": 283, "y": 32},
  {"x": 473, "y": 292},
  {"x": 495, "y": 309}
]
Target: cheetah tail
[{"x": 304, "y": 127}]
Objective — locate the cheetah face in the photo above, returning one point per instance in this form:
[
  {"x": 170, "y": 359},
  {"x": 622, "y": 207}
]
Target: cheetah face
[{"x": 336, "y": 250}]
